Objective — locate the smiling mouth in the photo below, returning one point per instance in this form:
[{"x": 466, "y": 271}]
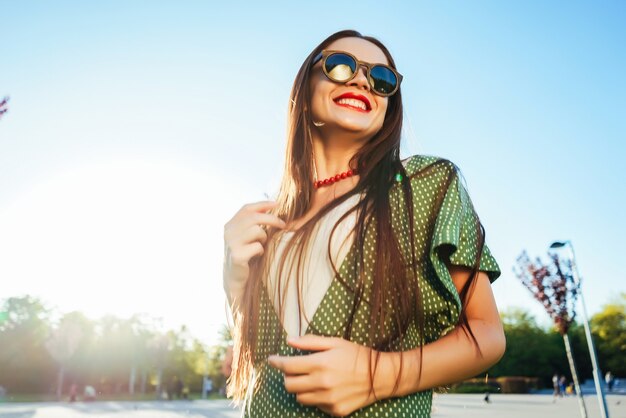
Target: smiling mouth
[{"x": 354, "y": 104}]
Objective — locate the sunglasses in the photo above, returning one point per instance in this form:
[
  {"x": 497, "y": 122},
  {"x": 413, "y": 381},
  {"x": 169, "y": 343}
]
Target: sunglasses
[{"x": 341, "y": 67}]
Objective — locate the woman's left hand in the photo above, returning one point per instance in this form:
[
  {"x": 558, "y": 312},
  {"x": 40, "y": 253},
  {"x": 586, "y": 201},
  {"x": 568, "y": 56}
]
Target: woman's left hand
[{"x": 335, "y": 378}]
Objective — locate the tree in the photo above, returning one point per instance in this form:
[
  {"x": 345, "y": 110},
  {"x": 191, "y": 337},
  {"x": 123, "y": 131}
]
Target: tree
[
  {"x": 63, "y": 342},
  {"x": 110, "y": 353},
  {"x": 119, "y": 353},
  {"x": 609, "y": 329},
  {"x": 25, "y": 365},
  {"x": 530, "y": 349}
]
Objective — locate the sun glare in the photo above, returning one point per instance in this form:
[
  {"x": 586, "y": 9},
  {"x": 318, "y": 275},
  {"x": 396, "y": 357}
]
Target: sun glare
[{"x": 121, "y": 237}]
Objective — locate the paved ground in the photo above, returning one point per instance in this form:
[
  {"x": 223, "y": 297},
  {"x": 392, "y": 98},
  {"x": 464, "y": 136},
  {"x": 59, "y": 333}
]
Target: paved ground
[
  {"x": 153, "y": 409},
  {"x": 518, "y": 406},
  {"x": 445, "y": 406}
]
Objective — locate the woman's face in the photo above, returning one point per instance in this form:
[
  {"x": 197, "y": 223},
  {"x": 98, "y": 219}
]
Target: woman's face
[{"x": 337, "y": 114}]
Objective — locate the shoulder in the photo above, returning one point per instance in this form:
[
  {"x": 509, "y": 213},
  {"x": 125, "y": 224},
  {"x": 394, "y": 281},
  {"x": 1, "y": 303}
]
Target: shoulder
[
  {"x": 432, "y": 177},
  {"x": 425, "y": 165}
]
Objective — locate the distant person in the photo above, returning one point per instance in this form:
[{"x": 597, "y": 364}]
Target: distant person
[
  {"x": 73, "y": 392},
  {"x": 562, "y": 384},
  {"x": 209, "y": 385},
  {"x": 610, "y": 380},
  {"x": 556, "y": 387},
  {"x": 179, "y": 388}
]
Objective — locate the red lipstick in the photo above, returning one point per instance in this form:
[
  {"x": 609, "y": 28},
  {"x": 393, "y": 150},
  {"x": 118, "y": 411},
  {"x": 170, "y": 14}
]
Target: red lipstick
[{"x": 360, "y": 97}]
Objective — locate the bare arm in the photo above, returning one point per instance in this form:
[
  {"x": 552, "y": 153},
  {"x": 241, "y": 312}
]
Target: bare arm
[
  {"x": 336, "y": 377},
  {"x": 453, "y": 357}
]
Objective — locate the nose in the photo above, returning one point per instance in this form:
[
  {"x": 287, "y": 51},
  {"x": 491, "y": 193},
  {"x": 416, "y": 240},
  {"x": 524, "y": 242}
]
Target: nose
[{"x": 360, "y": 79}]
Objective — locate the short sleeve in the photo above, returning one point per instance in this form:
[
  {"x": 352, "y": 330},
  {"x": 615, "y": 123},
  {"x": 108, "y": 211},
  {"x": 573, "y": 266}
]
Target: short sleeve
[{"x": 457, "y": 232}]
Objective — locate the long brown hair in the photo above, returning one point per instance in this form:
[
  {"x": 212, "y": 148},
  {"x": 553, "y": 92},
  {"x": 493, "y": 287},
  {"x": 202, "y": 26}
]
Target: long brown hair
[{"x": 377, "y": 161}]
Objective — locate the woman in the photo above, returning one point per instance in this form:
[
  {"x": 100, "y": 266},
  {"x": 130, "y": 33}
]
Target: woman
[{"x": 378, "y": 265}]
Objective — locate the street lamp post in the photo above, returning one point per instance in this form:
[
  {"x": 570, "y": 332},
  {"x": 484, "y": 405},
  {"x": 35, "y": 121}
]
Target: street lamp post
[{"x": 592, "y": 350}]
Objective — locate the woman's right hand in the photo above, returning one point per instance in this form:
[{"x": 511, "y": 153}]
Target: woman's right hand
[{"x": 244, "y": 239}]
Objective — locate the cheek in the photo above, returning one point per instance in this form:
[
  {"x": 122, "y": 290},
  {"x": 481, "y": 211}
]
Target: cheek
[
  {"x": 317, "y": 87},
  {"x": 317, "y": 104},
  {"x": 383, "y": 104},
  {"x": 318, "y": 97},
  {"x": 382, "y": 113}
]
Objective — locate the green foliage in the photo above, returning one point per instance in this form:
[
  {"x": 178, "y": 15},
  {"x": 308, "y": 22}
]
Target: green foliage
[
  {"x": 474, "y": 388},
  {"x": 530, "y": 351},
  {"x": 25, "y": 364},
  {"x": 216, "y": 358},
  {"x": 102, "y": 353},
  {"x": 111, "y": 348},
  {"x": 609, "y": 331},
  {"x": 534, "y": 351},
  {"x": 106, "y": 352}
]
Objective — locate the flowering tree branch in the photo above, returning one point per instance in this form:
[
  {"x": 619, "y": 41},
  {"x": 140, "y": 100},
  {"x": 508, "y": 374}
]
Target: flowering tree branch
[
  {"x": 552, "y": 284},
  {"x": 3, "y": 106}
]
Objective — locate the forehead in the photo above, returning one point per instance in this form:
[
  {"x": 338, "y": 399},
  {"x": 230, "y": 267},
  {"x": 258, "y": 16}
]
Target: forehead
[{"x": 364, "y": 50}]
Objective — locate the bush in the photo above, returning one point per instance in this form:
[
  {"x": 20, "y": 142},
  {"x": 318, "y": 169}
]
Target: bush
[
  {"x": 518, "y": 384},
  {"x": 476, "y": 385},
  {"x": 474, "y": 388},
  {"x": 505, "y": 384}
]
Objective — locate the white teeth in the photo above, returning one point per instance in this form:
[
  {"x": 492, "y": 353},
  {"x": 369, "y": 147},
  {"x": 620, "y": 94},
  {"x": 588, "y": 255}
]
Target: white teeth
[{"x": 353, "y": 102}]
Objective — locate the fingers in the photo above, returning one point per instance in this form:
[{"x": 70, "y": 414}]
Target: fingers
[
  {"x": 254, "y": 233},
  {"x": 245, "y": 237},
  {"x": 239, "y": 229},
  {"x": 302, "y": 383},
  {"x": 294, "y": 365},
  {"x": 313, "y": 398},
  {"x": 267, "y": 219},
  {"x": 248, "y": 227},
  {"x": 251, "y": 230},
  {"x": 246, "y": 252},
  {"x": 262, "y": 206},
  {"x": 313, "y": 342},
  {"x": 323, "y": 400}
]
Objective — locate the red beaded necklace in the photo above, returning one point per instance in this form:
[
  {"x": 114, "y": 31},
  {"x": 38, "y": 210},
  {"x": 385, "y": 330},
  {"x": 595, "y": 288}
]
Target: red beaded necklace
[{"x": 333, "y": 179}]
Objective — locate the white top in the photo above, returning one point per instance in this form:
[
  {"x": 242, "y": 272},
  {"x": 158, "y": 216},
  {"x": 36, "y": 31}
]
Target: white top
[{"x": 317, "y": 274}]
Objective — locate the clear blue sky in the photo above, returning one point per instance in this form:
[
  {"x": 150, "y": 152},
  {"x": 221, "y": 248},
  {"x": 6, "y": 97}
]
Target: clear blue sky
[{"x": 136, "y": 129}]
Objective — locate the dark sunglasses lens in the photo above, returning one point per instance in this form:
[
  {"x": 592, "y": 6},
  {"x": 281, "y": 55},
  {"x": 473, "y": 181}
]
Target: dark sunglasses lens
[
  {"x": 340, "y": 67},
  {"x": 383, "y": 79}
]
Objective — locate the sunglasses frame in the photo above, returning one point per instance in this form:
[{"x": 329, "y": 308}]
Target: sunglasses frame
[{"x": 328, "y": 52}]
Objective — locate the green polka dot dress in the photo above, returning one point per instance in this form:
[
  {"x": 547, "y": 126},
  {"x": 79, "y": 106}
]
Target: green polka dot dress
[{"x": 455, "y": 227}]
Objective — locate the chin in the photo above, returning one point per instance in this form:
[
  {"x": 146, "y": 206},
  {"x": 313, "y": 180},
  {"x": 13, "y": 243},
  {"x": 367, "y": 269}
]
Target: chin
[
  {"x": 365, "y": 128},
  {"x": 351, "y": 123}
]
